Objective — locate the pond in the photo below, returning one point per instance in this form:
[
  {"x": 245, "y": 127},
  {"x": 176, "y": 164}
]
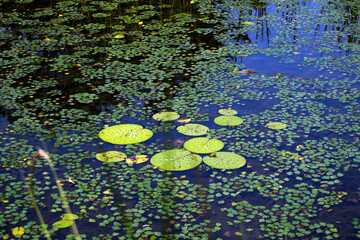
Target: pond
[{"x": 179, "y": 119}]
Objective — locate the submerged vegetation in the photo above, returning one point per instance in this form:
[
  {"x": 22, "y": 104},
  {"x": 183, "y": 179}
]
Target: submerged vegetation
[{"x": 179, "y": 119}]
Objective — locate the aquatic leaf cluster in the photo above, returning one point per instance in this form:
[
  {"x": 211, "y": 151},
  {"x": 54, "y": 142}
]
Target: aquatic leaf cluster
[{"x": 284, "y": 74}]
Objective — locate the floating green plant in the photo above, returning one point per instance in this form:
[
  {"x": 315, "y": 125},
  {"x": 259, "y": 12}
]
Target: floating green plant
[
  {"x": 225, "y": 160},
  {"x": 203, "y": 145},
  {"x": 227, "y": 111},
  {"x": 175, "y": 160},
  {"x": 125, "y": 134},
  {"x": 228, "y": 120},
  {"x": 111, "y": 156},
  {"x": 276, "y": 125},
  {"x": 193, "y": 129},
  {"x": 62, "y": 224},
  {"x": 166, "y": 116}
]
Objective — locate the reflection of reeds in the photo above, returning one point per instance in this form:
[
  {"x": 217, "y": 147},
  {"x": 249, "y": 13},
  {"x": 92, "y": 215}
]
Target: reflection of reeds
[{"x": 66, "y": 206}]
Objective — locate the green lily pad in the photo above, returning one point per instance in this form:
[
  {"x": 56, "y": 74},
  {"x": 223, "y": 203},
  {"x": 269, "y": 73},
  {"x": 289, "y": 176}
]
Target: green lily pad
[
  {"x": 176, "y": 160},
  {"x": 62, "y": 224},
  {"x": 166, "y": 116},
  {"x": 228, "y": 120},
  {"x": 203, "y": 145},
  {"x": 125, "y": 134},
  {"x": 69, "y": 216},
  {"x": 276, "y": 125},
  {"x": 227, "y": 111},
  {"x": 225, "y": 160},
  {"x": 193, "y": 129},
  {"x": 111, "y": 156}
]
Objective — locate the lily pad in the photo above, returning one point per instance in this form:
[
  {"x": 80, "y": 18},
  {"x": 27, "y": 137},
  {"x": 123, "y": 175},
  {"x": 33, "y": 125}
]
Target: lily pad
[
  {"x": 227, "y": 111},
  {"x": 166, "y": 116},
  {"x": 62, "y": 224},
  {"x": 276, "y": 125},
  {"x": 69, "y": 216},
  {"x": 228, "y": 120},
  {"x": 225, "y": 160},
  {"x": 193, "y": 129},
  {"x": 111, "y": 156},
  {"x": 125, "y": 134},
  {"x": 176, "y": 160},
  {"x": 203, "y": 145}
]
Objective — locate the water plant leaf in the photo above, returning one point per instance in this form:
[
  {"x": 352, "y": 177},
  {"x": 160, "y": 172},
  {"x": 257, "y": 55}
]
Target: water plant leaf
[
  {"x": 111, "y": 156},
  {"x": 176, "y": 160},
  {"x": 228, "y": 121},
  {"x": 18, "y": 231},
  {"x": 166, "y": 116},
  {"x": 137, "y": 159},
  {"x": 62, "y": 224},
  {"x": 227, "y": 112},
  {"x": 193, "y": 129},
  {"x": 203, "y": 145},
  {"x": 125, "y": 134},
  {"x": 225, "y": 160},
  {"x": 276, "y": 125},
  {"x": 69, "y": 216}
]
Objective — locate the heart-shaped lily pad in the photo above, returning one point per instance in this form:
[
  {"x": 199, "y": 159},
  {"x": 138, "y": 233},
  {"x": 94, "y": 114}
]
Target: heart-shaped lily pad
[
  {"x": 193, "y": 129},
  {"x": 125, "y": 134},
  {"x": 69, "y": 216},
  {"x": 203, "y": 145},
  {"x": 225, "y": 160},
  {"x": 111, "y": 156},
  {"x": 228, "y": 120},
  {"x": 176, "y": 160},
  {"x": 227, "y": 111},
  {"x": 62, "y": 224},
  {"x": 276, "y": 125},
  {"x": 166, "y": 116}
]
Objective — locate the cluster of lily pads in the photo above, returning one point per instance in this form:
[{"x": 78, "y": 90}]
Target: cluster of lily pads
[{"x": 68, "y": 68}]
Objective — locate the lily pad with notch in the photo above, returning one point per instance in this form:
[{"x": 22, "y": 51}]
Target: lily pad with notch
[
  {"x": 225, "y": 160},
  {"x": 203, "y": 145},
  {"x": 62, "y": 224},
  {"x": 111, "y": 156},
  {"x": 125, "y": 134},
  {"x": 228, "y": 121},
  {"x": 166, "y": 116},
  {"x": 176, "y": 160},
  {"x": 193, "y": 129}
]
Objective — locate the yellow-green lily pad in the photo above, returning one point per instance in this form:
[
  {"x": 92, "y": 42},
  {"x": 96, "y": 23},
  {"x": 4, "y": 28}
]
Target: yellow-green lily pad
[
  {"x": 62, "y": 224},
  {"x": 125, "y": 134},
  {"x": 203, "y": 145},
  {"x": 225, "y": 160},
  {"x": 166, "y": 116},
  {"x": 69, "y": 216},
  {"x": 228, "y": 121},
  {"x": 176, "y": 160},
  {"x": 193, "y": 129},
  {"x": 227, "y": 112},
  {"x": 111, "y": 156},
  {"x": 276, "y": 125}
]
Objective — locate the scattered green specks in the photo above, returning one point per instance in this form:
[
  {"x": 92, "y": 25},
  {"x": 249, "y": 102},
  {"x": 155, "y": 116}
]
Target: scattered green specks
[
  {"x": 176, "y": 160},
  {"x": 203, "y": 145},
  {"x": 227, "y": 111},
  {"x": 166, "y": 116},
  {"x": 111, "y": 156},
  {"x": 225, "y": 160},
  {"x": 62, "y": 224},
  {"x": 228, "y": 121},
  {"x": 276, "y": 125},
  {"x": 193, "y": 129},
  {"x": 125, "y": 134}
]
